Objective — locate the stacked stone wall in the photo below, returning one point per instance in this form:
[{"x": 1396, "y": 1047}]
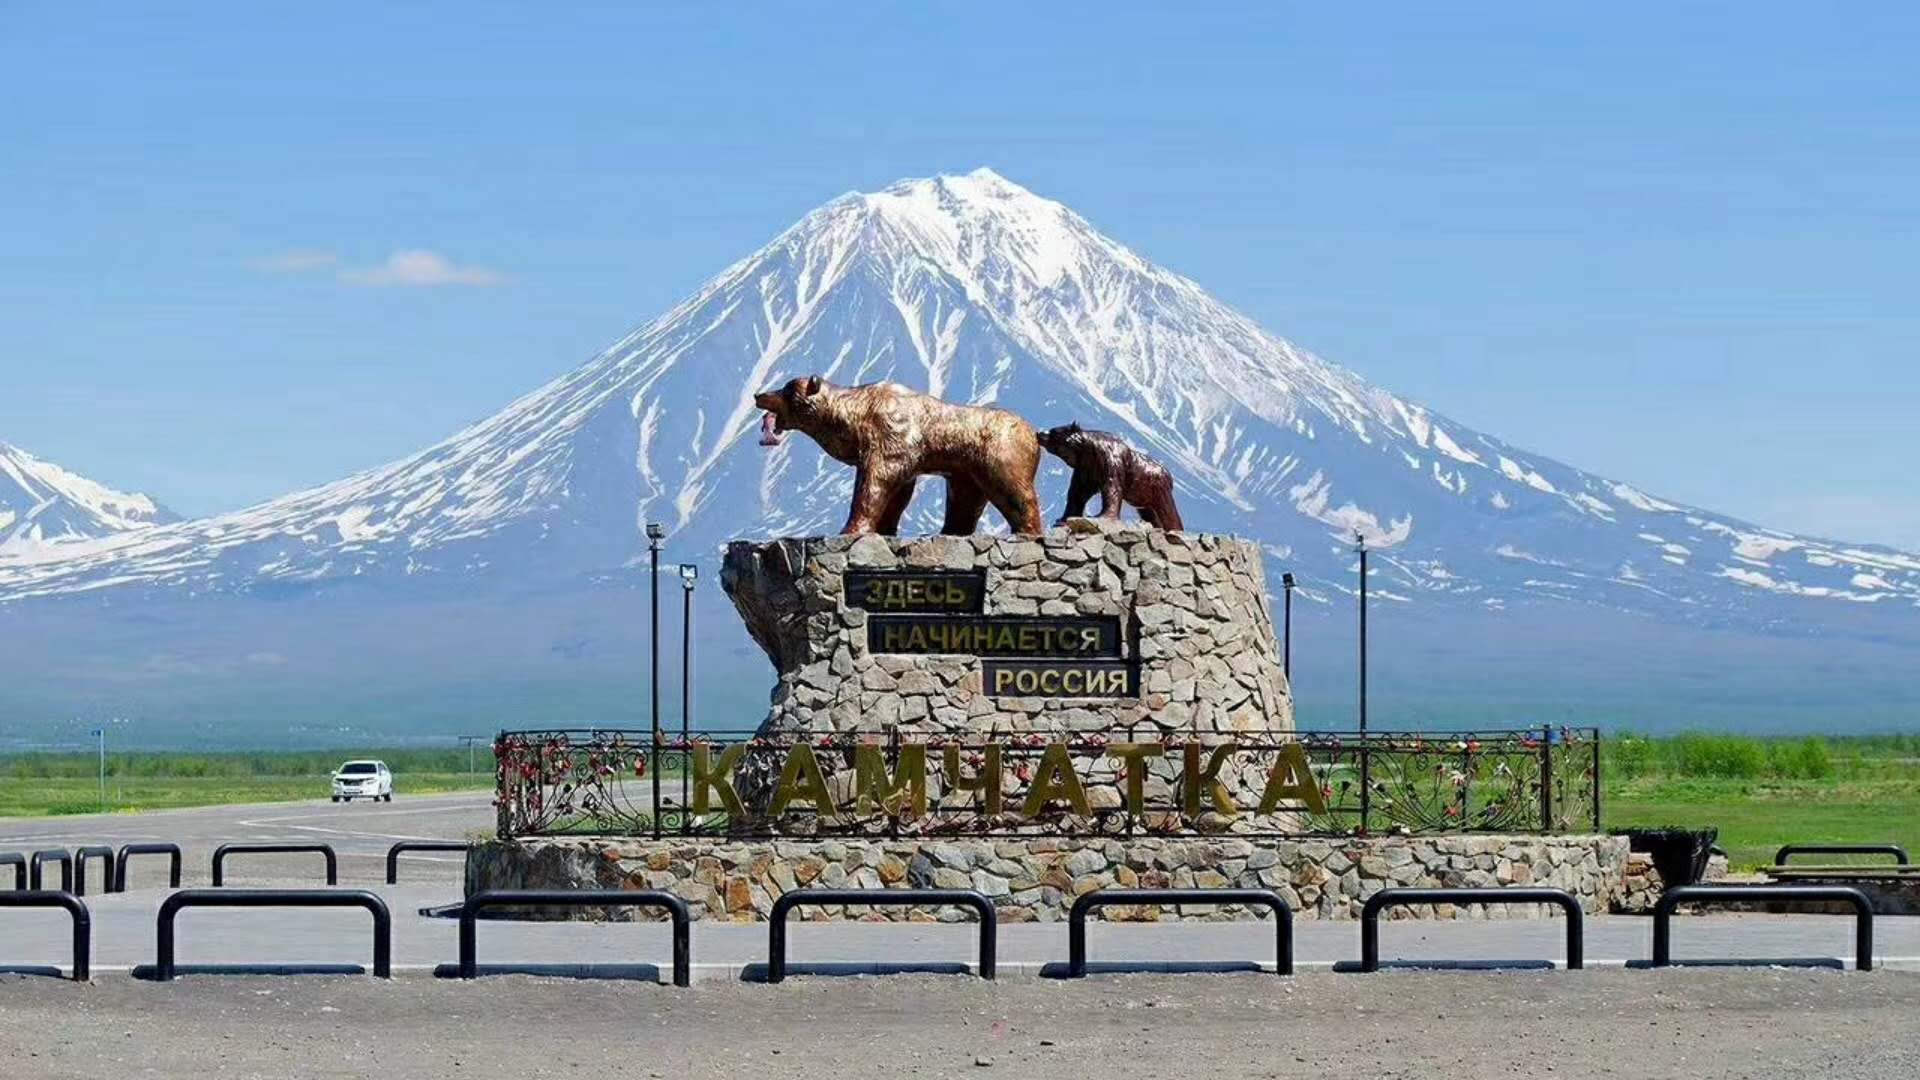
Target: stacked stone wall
[{"x": 1037, "y": 879}]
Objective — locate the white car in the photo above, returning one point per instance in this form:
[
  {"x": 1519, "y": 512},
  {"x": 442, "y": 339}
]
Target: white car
[{"x": 363, "y": 780}]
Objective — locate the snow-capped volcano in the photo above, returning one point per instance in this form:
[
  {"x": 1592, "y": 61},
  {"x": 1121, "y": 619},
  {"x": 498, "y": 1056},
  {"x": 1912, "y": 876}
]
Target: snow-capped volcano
[
  {"x": 43, "y": 506},
  {"x": 976, "y": 289}
]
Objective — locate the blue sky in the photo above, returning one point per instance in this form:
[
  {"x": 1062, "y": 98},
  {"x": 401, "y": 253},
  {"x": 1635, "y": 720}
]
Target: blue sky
[{"x": 1673, "y": 244}]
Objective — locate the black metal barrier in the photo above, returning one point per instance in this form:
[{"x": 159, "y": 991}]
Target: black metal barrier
[
  {"x": 393, "y": 853},
  {"x": 80, "y": 857},
  {"x": 19, "y": 864},
  {"x": 128, "y": 851},
  {"x": 777, "y": 919},
  {"x": 1740, "y": 894},
  {"x": 220, "y": 856},
  {"x": 675, "y": 908},
  {"x": 59, "y": 855},
  {"x": 76, "y": 907},
  {"x": 1099, "y": 898},
  {"x": 251, "y": 898},
  {"x": 1899, "y": 853},
  {"x": 1386, "y": 898}
]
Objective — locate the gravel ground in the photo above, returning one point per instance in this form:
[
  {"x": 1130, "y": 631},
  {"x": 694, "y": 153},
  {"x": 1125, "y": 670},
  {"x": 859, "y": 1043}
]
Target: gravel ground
[{"x": 1681, "y": 1023}]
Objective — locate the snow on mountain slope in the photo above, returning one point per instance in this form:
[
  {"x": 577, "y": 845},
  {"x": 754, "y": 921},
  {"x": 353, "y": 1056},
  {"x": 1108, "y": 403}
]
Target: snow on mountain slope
[
  {"x": 976, "y": 289},
  {"x": 44, "y": 507}
]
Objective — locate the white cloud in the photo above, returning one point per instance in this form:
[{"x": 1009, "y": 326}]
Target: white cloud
[
  {"x": 419, "y": 267},
  {"x": 294, "y": 262}
]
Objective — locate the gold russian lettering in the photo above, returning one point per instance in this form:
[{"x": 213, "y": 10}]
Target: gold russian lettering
[
  {"x": 987, "y": 782},
  {"x": 1196, "y": 778},
  {"x": 801, "y": 778},
  {"x": 872, "y": 785},
  {"x": 1054, "y": 779},
  {"x": 1135, "y": 754},
  {"x": 714, "y": 776},
  {"x": 1292, "y": 779}
]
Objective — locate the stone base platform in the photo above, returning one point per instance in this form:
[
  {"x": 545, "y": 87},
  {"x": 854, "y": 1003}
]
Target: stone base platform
[{"x": 1036, "y": 879}]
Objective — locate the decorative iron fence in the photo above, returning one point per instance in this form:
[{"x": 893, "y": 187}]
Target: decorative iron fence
[{"x": 1114, "y": 783}]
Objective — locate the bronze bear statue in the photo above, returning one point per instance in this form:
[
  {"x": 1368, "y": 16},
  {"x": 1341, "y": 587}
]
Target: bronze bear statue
[
  {"x": 1104, "y": 463},
  {"x": 892, "y": 436}
]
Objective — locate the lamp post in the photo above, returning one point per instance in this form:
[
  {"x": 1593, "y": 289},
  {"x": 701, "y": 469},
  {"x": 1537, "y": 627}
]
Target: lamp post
[
  {"x": 1286, "y": 637},
  {"x": 470, "y": 741},
  {"x": 101, "y": 734},
  {"x": 689, "y": 573},
  {"x": 1360, "y": 542},
  {"x": 655, "y": 533}
]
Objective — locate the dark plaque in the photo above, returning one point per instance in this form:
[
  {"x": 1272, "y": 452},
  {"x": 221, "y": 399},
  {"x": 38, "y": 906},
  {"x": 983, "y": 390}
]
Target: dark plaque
[
  {"x": 1059, "y": 678},
  {"x": 1066, "y": 636},
  {"x": 937, "y": 592}
]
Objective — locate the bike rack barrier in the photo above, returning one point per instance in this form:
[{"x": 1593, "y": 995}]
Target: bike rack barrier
[
  {"x": 82, "y": 921},
  {"x": 127, "y": 851},
  {"x": 777, "y": 918},
  {"x": 163, "y": 966},
  {"x": 1899, "y": 853},
  {"x": 59, "y": 855},
  {"x": 393, "y": 853},
  {"x": 1738, "y": 894},
  {"x": 1386, "y": 898},
  {"x": 19, "y": 864},
  {"x": 220, "y": 856},
  {"x": 1099, "y": 898},
  {"x": 80, "y": 857},
  {"x": 675, "y": 908}
]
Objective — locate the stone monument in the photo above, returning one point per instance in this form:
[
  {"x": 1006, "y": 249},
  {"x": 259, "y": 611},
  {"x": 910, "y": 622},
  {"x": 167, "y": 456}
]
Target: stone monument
[{"x": 1030, "y": 716}]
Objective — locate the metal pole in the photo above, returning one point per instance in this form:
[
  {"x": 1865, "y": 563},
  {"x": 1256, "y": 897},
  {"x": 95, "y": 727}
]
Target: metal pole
[
  {"x": 686, "y": 694},
  {"x": 654, "y": 534},
  {"x": 1286, "y": 638},
  {"x": 1546, "y": 778},
  {"x": 1596, "y": 779},
  {"x": 102, "y": 732},
  {"x": 1363, "y": 632}
]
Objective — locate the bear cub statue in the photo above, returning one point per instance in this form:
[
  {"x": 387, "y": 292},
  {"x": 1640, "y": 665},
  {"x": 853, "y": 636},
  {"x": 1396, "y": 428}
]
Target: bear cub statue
[{"x": 1104, "y": 463}]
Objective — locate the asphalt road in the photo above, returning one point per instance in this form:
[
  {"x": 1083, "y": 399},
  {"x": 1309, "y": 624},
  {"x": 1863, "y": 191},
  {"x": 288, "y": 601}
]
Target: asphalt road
[
  {"x": 360, "y": 833},
  {"x": 124, "y": 932}
]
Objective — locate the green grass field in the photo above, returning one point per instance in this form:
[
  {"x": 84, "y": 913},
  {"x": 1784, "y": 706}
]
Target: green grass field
[
  {"x": 1755, "y": 818},
  {"x": 69, "y": 783},
  {"x": 1760, "y": 793},
  {"x": 72, "y": 795}
]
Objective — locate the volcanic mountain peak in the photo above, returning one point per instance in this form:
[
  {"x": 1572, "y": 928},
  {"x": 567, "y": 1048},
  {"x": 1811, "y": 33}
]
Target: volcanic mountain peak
[
  {"x": 43, "y": 505},
  {"x": 975, "y": 289}
]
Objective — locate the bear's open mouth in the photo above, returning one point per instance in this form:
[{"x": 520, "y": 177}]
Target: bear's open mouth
[{"x": 769, "y": 430}]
